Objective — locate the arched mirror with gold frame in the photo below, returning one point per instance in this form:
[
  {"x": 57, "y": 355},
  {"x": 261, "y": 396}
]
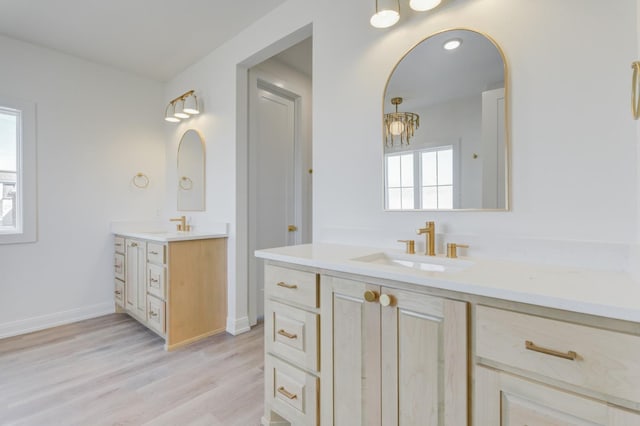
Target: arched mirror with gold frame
[
  {"x": 446, "y": 126},
  {"x": 191, "y": 172}
]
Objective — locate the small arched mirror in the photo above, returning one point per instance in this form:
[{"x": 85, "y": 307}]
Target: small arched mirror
[
  {"x": 445, "y": 126},
  {"x": 191, "y": 172}
]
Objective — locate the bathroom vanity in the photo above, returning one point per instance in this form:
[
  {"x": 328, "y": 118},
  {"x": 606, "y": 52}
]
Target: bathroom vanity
[
  {"x": 175, "y": 283},
  {"x": 357, "y": 336}
]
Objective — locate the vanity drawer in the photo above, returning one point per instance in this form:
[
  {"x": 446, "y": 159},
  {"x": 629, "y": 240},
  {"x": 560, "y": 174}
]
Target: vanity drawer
[
  {"x": 118, "y": 266},
  {"x": 603, "y": 361},
  {"x": 156, "y": 278},
  {"x": 155, "y": 253},
  {"x": 292, "y": 334},
  {"x": 118, "y": 293},
  {"x": 155, "y": 314},
  {"x": 291, "y": 392},
  {"x": 118, "y": 244},
  {"x": 292, "y": 285}
]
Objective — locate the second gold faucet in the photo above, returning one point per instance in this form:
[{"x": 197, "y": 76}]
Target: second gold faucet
[{"x": 430, "y": 231}]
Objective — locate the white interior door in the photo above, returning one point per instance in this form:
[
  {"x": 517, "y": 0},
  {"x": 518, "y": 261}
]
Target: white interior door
[{"x": 273, "y": 206}]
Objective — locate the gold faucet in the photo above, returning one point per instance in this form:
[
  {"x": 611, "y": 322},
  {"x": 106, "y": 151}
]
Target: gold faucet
[
  {"x": 452, "y": 249},
  {"x": 430, "y": 231},
  {"x": 182, "y": 226},
  {"x": 410, "y": 246}
]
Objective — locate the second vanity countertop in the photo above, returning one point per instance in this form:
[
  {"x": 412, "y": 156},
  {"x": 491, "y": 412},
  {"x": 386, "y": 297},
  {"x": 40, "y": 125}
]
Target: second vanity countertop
[
  {"x": 168, "y": 236},
  {"x": 603, "y": 293}
]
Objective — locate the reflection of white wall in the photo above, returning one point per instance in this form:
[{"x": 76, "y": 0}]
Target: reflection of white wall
[{"x": 459, "y": 119}]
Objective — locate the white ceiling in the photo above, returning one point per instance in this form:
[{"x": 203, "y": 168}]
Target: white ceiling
[{"x": 152, "y": 38}]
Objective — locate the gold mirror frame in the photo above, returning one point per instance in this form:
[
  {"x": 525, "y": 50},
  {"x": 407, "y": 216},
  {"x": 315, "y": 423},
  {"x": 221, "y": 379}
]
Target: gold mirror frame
[{"x": 507, "y": 127}]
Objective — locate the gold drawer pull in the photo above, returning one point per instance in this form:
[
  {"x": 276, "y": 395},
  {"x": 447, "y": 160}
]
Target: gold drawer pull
[
  {"x": 153, "y": 252},
  {"x": 118, "y": 292},
  {"x": 571, "y": 355},
  {"x": 285, "y": 285},
  {"x": 153, "y": 280},
  {"x": 134, "y": 244},
  {"x": 153, "y": 314},
  {"x": 287, "y": 335},
  {"x": 286, "y": 393}
]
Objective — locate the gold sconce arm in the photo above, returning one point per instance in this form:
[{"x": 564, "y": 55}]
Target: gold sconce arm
[{"x": 635, "y": 99}]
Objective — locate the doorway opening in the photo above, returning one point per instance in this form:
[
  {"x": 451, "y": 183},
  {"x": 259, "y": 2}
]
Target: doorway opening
[{"x": 275, "y": 166}]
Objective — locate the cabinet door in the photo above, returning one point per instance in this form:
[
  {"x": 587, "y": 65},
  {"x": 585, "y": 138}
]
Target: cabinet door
[
  {"x": 135, "y": 283},
  {"x": 424, "y": 359},
  {"x": 350, "y": 358},
  {"x": 506, "y": 400}
]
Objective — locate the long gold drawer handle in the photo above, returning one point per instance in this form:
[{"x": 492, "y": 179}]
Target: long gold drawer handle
[
  {"x": 571, "y": 355},
  {"x": 287, "y": 335},
  {"x": 286, "y": 393},
  {"x": 285, "y": 285}
]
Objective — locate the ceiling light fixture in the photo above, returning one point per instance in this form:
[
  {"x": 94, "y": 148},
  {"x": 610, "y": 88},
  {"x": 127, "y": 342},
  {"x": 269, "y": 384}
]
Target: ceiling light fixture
[
  {"x": 401, "y": 124},
  {"x": 387, "y": 12},
  {"x": 182, "y": 107},
  {"x": 452, "y": 44},
  {"x": 424, "y": 5}
]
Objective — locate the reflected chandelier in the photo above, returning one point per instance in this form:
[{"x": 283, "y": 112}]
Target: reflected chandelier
[{"x": 399, "y": 124}]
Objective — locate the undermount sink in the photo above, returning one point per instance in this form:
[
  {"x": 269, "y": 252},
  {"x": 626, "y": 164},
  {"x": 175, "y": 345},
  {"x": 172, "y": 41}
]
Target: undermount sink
[{"x": 416, "y": 261}]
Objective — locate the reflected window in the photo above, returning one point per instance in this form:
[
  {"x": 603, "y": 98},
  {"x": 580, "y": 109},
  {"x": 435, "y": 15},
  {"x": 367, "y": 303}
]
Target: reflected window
[{"x": 420, "y": 179}]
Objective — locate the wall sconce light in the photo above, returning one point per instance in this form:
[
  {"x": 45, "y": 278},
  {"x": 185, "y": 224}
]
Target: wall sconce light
[
  {"x": 182, "y": 107},
  {"x": 401, "y": 124},
  {"x": 388, "y": 11}
]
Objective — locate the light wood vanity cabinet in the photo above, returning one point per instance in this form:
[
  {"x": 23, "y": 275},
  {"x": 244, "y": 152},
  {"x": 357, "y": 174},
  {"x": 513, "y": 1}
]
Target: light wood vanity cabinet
[
  {"x": 534, "y": 370},
  {"x": 389, "y": 353},
  {"x": 177, "y": 289},
  {"x": 400, "y": 364}
]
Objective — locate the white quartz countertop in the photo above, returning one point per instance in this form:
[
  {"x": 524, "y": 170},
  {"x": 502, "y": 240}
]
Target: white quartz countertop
[
  {"x": 603, "y": 293},
  {"x": 167, "y": 236}
]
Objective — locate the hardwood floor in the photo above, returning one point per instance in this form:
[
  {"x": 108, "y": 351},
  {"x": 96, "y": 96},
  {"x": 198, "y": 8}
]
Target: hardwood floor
[{"x": 113, "y": 371}]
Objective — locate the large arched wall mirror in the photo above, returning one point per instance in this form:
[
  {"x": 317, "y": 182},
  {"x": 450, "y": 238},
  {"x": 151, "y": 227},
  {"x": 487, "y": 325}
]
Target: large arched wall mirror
[
  {"x": 191, "y": 172},
  {"x": 445, "y": 133}
]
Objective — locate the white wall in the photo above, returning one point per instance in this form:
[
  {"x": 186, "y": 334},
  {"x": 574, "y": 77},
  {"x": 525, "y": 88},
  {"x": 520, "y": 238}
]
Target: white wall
[
  {"x": 574, "y": 158},
  {"x": 96, "y": 128}
]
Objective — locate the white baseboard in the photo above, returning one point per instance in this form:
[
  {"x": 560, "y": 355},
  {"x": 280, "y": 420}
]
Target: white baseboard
[
  {"x": 237, "y": 326},
  {"x": 15, "y": 328}
]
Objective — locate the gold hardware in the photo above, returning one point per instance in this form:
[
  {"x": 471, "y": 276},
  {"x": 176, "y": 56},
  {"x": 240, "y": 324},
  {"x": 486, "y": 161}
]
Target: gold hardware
[
  {"x": 153, "y": 252},
  {"x": 387, "y": 300},
  {"x": 287, "y": 335},
  {"x": 286, "y": 393},
  {"x": 140, "y": 180},
  {"x": 310, "y": 171},
  {"x": 285, "y": 285},
  {"x": 153, "y": 314},
  {"x": 292, "y": 228},
  {"x": 475, "y": 155},
  {"x": 182, "y": 226},
  {"x": 411, "y": 246},
  {"x": 134, "y": 244},
  {"x": 571, "y": 355},
  {"x": 118, "y": 292},
  {"x": 635, "y": 100},
  {"x": 401, "y": 124},
  {"x": 430, "y": 231},
  {"x": 370, "y": 296},
  {"x": 452, "y": 249}
]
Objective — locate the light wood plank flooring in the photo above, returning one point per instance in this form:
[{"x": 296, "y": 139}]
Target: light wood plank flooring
[{"x": 113, "y": 371}]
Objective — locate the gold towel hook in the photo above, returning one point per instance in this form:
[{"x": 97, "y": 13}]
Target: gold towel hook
[
  {"x": 140, "y": 180},
  {"x": 635, "y": 99}
]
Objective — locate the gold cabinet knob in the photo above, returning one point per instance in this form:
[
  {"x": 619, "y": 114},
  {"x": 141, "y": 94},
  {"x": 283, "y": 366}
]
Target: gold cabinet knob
[
  {"x": 386, "y": 300},
  {"x": 370, "y": 296}
]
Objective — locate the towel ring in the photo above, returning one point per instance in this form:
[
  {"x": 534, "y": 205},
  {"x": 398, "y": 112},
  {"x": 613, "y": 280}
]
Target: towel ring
[
  {"x": 635, "y": 99},
  {"x": 185, "y": 183},
  {"x": 140, "y": 180}
]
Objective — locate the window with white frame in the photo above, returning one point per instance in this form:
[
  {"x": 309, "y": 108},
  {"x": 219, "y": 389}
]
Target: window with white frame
[
  {"x": 421, "y": 179},
  {"x": 17, "y": 171}
]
